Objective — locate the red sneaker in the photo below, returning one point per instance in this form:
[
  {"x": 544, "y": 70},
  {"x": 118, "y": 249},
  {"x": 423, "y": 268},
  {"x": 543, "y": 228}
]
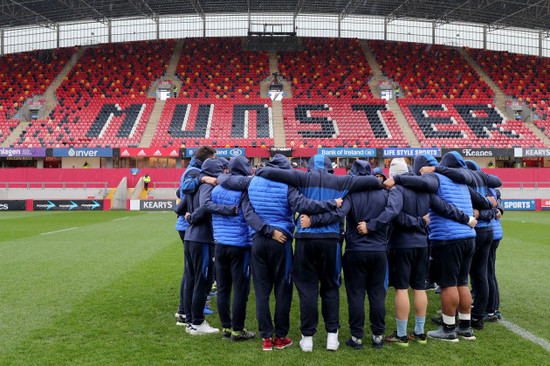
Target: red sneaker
[
  {"x": 281, "y": 343},
  {"x": 267, "y": 344}
]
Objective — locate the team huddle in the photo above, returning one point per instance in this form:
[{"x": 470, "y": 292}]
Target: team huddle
[{"x": 432, "y": 222}]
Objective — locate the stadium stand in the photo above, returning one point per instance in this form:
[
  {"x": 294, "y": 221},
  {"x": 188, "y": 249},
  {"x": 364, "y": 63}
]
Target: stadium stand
[
  {"x": 465, "y": 122},
  {"x": 219, "y": 103},
  {"x": 429, "y": 71},
  {"x": 525, "y": 77},
  {"x": 27, "y": 74},
  {"x": 6, "y": 127},
  {"x": 103, "y": 102},
  {"x": 332, "y": 104}
]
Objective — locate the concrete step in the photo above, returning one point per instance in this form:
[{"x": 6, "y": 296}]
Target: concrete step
[
  {"x": 404, "y": 124},
  {"x": 377, "y": 72},
  {"x": 14, "y": 135},
  {"x": 152, "y": 124}
]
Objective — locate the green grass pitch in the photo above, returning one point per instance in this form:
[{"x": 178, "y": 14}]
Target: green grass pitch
[{"x": 105, "y": 289}]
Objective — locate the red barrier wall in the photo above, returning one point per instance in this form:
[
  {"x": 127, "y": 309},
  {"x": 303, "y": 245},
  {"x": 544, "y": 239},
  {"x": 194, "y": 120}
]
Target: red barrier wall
[{"x": 113, "y": 176}]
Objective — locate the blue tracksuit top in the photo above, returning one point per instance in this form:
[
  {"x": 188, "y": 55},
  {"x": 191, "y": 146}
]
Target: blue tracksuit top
[
  {"x": 497, "y": 226},
  {"x": 319, "y": 184},
  {"x": 200, "y": 228},
  {"x": 232, "y": 230}
]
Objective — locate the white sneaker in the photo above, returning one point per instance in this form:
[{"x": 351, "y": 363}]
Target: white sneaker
[
  {"x": 306, "y": 344},
  {"x": 188, "y": 328},
  {"x": 332, "y": 341},
  {"x": 204, "y": 328}
]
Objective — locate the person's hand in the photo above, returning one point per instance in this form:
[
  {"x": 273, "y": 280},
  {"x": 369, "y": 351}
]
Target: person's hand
[
  {"x": 305, "y": 221},
  {"x": 426, "y": 218},
  {"x": 187, "y": 214},
  {"x": 493, "y": 200},
  {"x": 338, "y": 202},
  {"x": 498, "y": 215},
  {"x": 278, "y": 236},
  {"x": 473, "y": 222},
  {"x": 388, "y": 183},
  {"x": 236, "y": 210},
  {"x": 476, "y": 213},
  {"x": 362, "y": 228},
  {"x": 210, "y": 180},
  {"x": 427, "y": 169}
]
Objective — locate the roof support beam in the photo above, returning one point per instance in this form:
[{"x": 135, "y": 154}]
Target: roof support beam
[
  {"x": 393, "y": 15},
  {"x": 350, "y": 7},
  {"x": 299, "y": 6},
  {"x": 198, "y": 8},
  {"x": 83, "y": 4},
  {"x": 497, "y": 24},
  {"x": 16, "y": 10},
  {"x": 144, "y": 8}
]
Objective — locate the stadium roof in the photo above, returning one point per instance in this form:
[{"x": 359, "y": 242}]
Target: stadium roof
[{"x": 531, "y": 14}]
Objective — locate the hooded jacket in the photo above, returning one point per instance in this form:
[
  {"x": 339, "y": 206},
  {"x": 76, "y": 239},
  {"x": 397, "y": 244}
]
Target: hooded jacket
[
  {"x": 379, "y": 171},
  {"x": 232, "y": 230},
  {"x": 357, "y": 207},
  {"x": 443, "y": 229},
  {"x": 468, "y": 172},
  {"x": 273, "y": 202},
  {"x": 319, "y": 184},
  {"x": 200, "y": 228},
  {"x": 188, "y": 183}
]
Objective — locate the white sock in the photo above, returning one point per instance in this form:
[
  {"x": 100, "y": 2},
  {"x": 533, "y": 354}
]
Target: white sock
[
  {"x": 448, "y": 320},
  {"x": 464, "y": 316}
]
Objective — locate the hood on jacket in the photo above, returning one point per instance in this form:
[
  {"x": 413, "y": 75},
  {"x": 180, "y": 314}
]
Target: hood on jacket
[
  {"x": 398, "y": 166},
  {"x": 453, "y": 160},
  {"x": 379, "y": 171},
  {"x": 423, "y": 160},
  {"x": 225, "y": 163},
  {"x": 320, "y": 162},
  {"x": 472, "y": 165},
  {"x": 213, "y": 167},
  {"x": 240, "y": 165},
  {"x": 279, "y": 161},
  {"x": 360, "y": 167}
]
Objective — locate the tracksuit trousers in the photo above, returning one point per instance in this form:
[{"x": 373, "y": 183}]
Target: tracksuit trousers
[
  {"x": 271, "y": 266},
  {"x": 232, "y": 271},
  {"x": 318, "y": 261},
  {"x": 198, "y": 282},
  {"x": 365, "y": 272},
  {"x": 493, "y": 302},
  {"x": 181, "y": 308},
  {"x": 478, "y": 270}
]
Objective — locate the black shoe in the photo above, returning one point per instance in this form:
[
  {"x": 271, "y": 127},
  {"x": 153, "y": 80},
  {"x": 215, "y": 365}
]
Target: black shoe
[
  {"x": 430, "y": 286},
  {"x": 466, "y": 333},
  {"x": 378, "y": 341},
  {"x": 438, "y": 320},
  {"x": 420, "y": 338},
  {"x": 181, "y": 320},
  {"x": 226, "y": 333},
  {"x": 394, "y": 338},
  {"x": 478, "y": 324},
  {"x": 355, "y": 345},
  {"x": 243, "y": 335}
]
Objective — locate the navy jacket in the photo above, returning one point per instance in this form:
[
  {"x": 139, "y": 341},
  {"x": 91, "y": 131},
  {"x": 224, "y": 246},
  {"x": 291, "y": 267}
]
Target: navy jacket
[
  {"x": 279, "y": 219},
  {"x": 406, "y": 207},
  {"x": 357, "y": 207},
  {"x": 188, "y": 182},
  {"x": 319, "y": 184},
  {"x": 200, "y": 228}
]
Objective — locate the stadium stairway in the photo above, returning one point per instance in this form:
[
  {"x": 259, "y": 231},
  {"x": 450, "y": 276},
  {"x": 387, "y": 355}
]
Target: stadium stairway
[
  {"x": 394, "y": 106},
  {"x": 500, "y": 97},
  {"x": 154, "y": 119},
  {"x": 279, "y": 137}
]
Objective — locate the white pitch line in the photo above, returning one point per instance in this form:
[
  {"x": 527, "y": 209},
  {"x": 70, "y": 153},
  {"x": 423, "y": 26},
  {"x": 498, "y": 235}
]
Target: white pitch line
[
  {"x": 122, "y": 218},
  {"x": 526, "y": 334},
  {"x": 58, "y": 231}
]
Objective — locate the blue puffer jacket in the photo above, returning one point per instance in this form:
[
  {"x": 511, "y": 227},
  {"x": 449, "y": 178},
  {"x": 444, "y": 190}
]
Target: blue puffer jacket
[
  {"x": 194, "y": 165},
  {"x": 319, "y": 184},
  {"x": 232, "y": 230},
  {"x": 497, "y": 225}
]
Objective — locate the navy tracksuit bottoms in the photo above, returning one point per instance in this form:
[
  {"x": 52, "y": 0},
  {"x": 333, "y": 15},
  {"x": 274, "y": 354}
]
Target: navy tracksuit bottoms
[
  {"x": 271, "y": 266},
  {"x": 181, "y": 308},
  {"x": 232, "y": 271},
  {"x": 365, "y": 272},
  {"x": 198, "y": 282},
  {"x": 478, "y": 270},
  {"x": 493, "y": 303},
  {"x": 318, "y": 260}
]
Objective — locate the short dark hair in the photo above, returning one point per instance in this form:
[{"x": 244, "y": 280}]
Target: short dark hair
[{"x": 204, "y": 152}]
